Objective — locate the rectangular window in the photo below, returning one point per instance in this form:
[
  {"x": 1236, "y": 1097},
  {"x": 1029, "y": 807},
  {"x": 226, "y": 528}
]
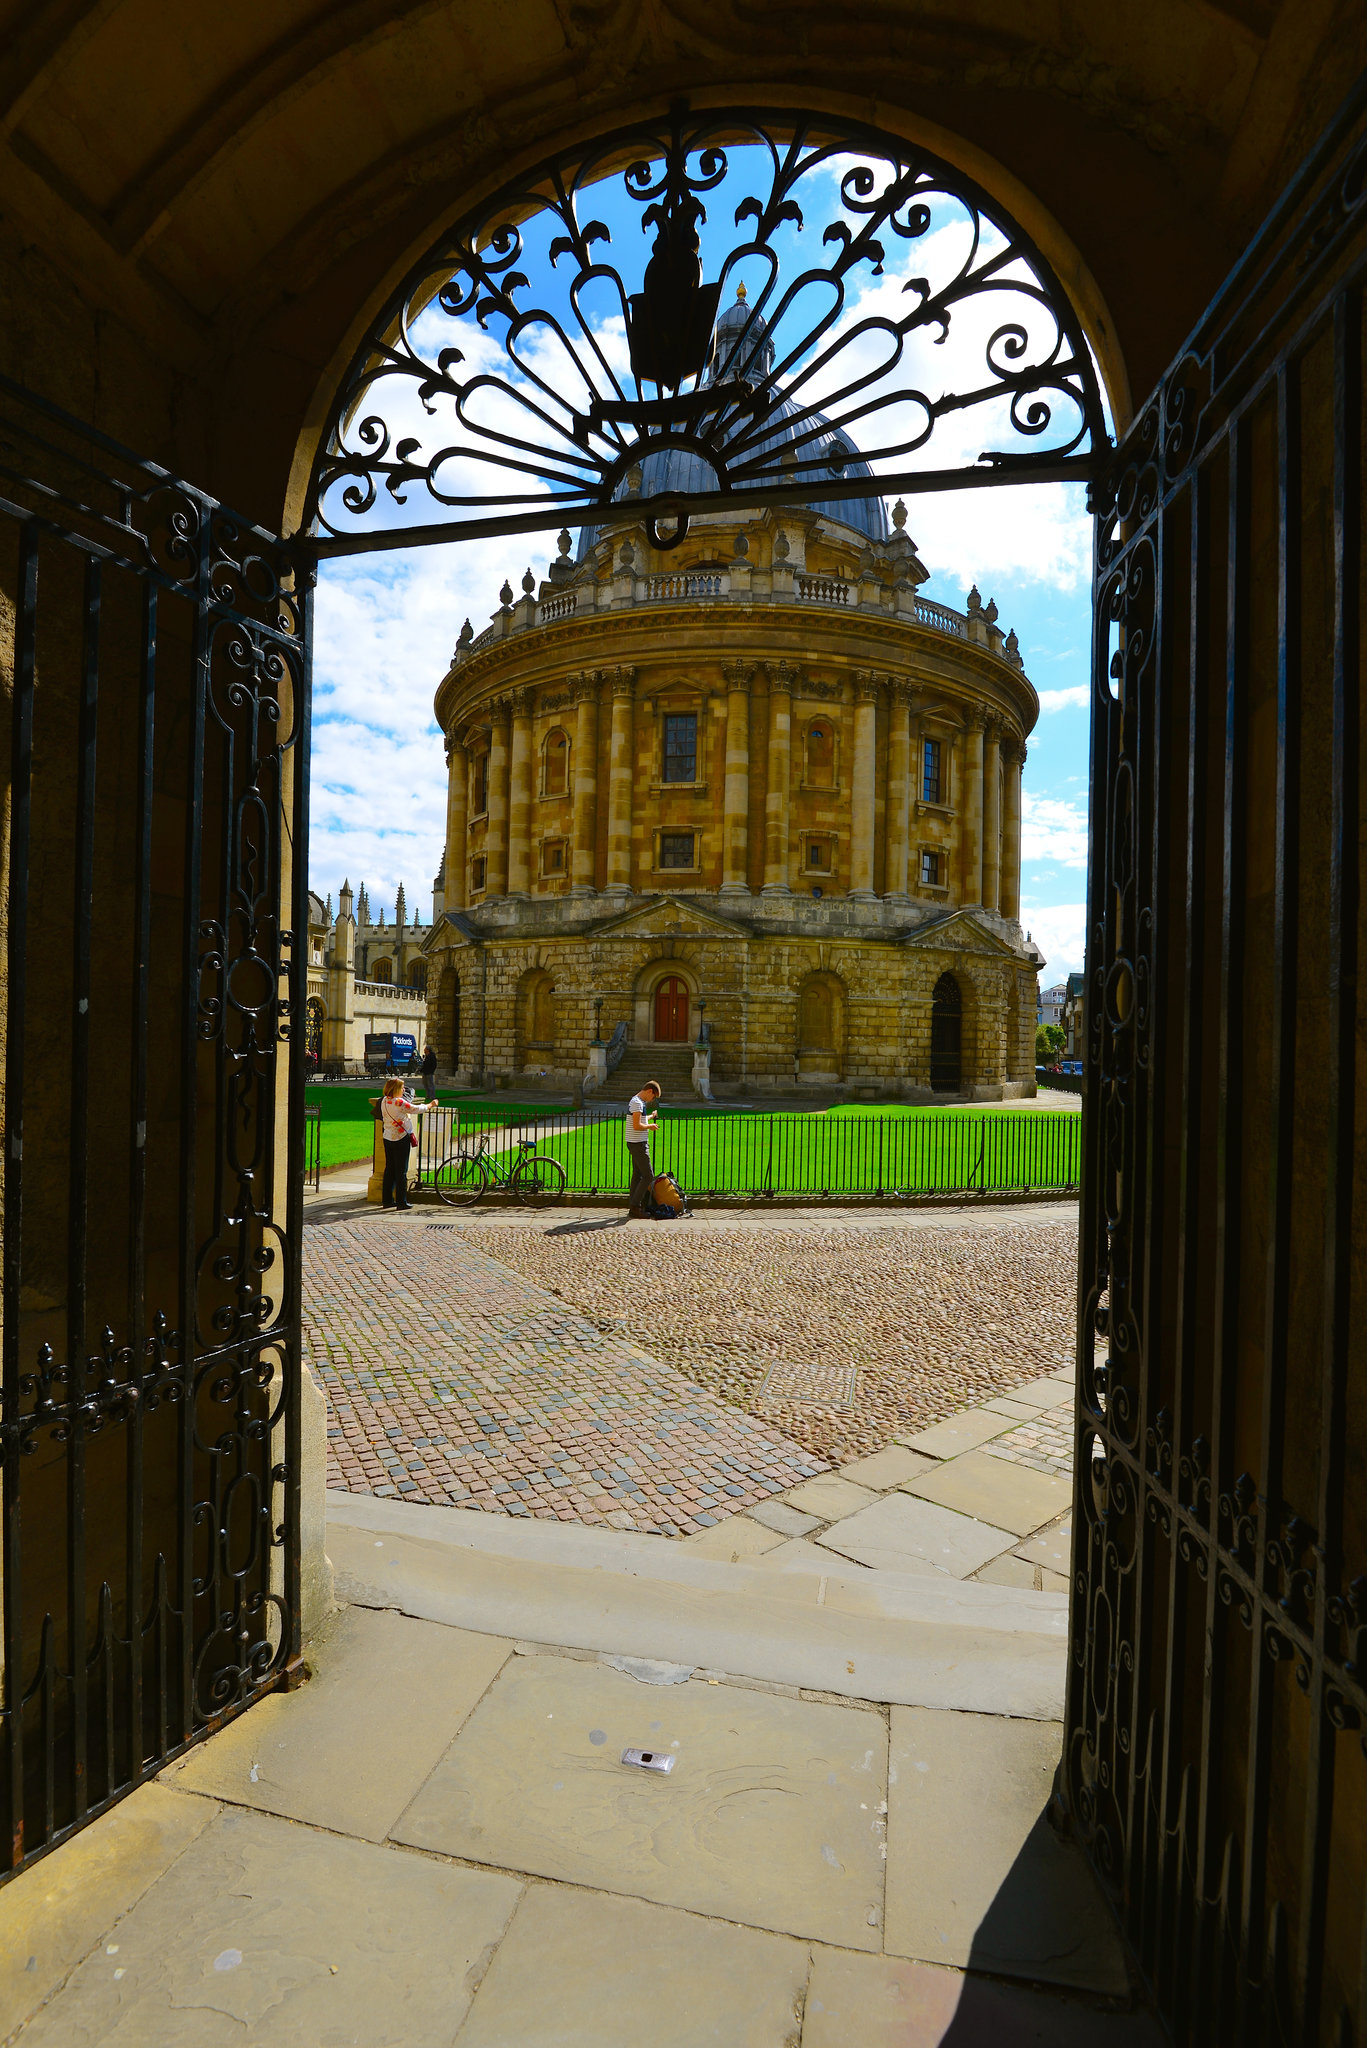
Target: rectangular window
[
  {"x": 819, "y": 855},
  {"x": 930, "y": 869},
  {"x": 553, "y": 857},
  {"x": 676, "y": 849},
  {"x": 681, "y": 747},
  {"x": 477, "y": 871},
  {"x": 930, "y": 773},
  {"x": 481, "y": 781}
]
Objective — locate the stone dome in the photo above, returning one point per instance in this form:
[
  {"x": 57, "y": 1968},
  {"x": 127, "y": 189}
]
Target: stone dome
[{"x": 742, "y": 349}]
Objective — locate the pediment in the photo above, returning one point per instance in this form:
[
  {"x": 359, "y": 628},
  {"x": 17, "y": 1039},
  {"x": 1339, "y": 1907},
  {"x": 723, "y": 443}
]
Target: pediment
[
  {"x": 671, "y": 917},
  {"x": 959, "y": 931}
]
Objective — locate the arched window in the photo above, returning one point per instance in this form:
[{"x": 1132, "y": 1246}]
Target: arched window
[
  {"x": 313, "y": 1029},
  {"x": 946, "y": 1037},
  {"x": 382, "y": 970},
  {"x": 820, "y": 754},
  {"x": 417, "y": 975},
  {"x": 555, "y": 763}
]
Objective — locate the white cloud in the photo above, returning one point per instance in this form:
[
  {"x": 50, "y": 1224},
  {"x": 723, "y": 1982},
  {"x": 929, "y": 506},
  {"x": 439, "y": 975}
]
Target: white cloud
[
  {"x": 1053, "y": 829},
  {"x": 385, "y": 630},
  {"x": 1059, "y": 930},
  {"x": 1076, "y": 699}
]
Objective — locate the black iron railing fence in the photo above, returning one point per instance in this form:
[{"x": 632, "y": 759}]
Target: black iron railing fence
[
  {"x": 729, "y": 1154},
  {"x": 313, "y": 1145}
]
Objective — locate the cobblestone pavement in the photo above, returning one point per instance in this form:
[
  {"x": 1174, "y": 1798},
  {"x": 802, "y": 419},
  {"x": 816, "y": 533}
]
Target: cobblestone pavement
[
  {"x": 450, "y": 1379},
  {"x": 843, "y": 1334}
]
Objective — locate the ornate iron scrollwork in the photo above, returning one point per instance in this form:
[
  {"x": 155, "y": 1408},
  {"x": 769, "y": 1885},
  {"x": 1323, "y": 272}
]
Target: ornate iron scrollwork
[{"x": 499, "y": 414}]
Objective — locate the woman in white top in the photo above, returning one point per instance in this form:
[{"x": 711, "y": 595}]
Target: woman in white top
[{"x": 397, "y": 1112}]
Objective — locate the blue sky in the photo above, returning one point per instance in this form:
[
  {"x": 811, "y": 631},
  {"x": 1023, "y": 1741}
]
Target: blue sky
[{"x": 386, "y": 624}]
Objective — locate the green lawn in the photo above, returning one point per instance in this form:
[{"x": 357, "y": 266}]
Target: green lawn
[{"x": 853, "y": 1149}]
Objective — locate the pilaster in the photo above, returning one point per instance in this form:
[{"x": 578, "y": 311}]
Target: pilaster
[
  {"x": 621, "y": 777},
  {"x": 738, "y": 676},
  {"x": 585, "y": 688},
  {"x": 777, "y": 801},
  {"x": 863, "y": 782}
]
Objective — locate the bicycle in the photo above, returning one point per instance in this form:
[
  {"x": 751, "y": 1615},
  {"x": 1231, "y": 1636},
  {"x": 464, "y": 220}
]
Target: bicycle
[{"x": 466, "y": 1176}]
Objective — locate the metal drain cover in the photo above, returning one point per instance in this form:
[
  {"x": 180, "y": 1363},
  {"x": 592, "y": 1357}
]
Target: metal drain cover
[{"x": 649, "y": 1760}]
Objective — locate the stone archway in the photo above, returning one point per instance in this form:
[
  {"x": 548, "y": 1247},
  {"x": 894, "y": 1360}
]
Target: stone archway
[
  {"x": 822, "y": 1011},
  {"x": 947, "y": 1036}
]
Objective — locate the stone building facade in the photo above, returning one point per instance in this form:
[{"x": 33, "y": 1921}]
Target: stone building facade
[
  {"x": 365, "y": 975},
  {"x": 752, "y": 789}
]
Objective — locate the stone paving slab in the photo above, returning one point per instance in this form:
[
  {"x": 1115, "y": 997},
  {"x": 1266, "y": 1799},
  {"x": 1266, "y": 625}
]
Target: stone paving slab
[
  {"x": 856, "y": 2001},
  {"x": 386, "y": 1699},
  {"x": 452, "y": 1379},
  {"x": 677, "y": 1980},
  {"x": 887, "y": 1468},
  {"x": 957, "y": 1433},
  {"x": 772, "y": 1814},
  {"x": 788, "y": 1521},
  {"x": 830, "y": 1497},
  {"x": 737, "y": 1537},
  {"x": 53, "y": 1915},
  {"x": 1001, "y": 1889},
  {"x": 1011, "y": 1496},
  {"x": 264, "y": 1934},
  {"x": 1051, "y": 1547},
  {"x": 901, "y": 1533}
]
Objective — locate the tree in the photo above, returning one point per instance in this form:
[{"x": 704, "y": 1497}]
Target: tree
[{"x": 1050, "y": 1043}]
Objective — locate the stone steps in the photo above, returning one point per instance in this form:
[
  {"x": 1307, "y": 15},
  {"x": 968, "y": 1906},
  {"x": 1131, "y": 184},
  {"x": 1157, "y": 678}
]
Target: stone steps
[{"x": 886, "y": 1637}]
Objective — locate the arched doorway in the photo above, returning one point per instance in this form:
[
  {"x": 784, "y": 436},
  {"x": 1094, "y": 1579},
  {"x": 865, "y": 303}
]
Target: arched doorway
[
  {"x": 946, "y": 1037},
  {"x": 671, "y": 1011}
]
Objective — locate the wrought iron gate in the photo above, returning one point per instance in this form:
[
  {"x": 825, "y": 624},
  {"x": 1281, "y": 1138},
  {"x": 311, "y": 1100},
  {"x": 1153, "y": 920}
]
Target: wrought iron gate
[
  {"x": 149, "y": 1421},
  {"x": 1215, "y": 1761}
]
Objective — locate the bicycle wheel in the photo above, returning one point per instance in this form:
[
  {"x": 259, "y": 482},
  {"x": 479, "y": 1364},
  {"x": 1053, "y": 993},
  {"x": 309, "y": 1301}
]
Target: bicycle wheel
[
  {"x": 538, "y": 1179},
  {"x": 461, "y": 1178}
]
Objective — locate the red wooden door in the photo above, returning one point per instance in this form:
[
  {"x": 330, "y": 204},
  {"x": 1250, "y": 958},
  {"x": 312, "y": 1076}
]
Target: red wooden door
[{"x": 671, "y": 1011}]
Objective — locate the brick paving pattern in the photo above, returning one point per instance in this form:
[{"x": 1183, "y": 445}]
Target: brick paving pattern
[
  {"x": 930, "y": 1320},
  {"x": 1047, "y": 1444},
  {"x": 453, "y": 1380}
]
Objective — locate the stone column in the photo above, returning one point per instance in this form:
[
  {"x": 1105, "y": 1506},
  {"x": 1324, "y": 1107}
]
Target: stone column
[
  {"x": 863, "y": 791},
  {"x": 778, "y": 795},
  {"x": 496, "y": 832},
  {"x": 586, "y": 786},
  {"x": 1013, "y": 752},
  {"x": 992, "y": 817},
  {"x": 520, "y": 796},
  {"x": 971, "y": 828},
  {"x": 898, "y": 804},
  {"x": 457, "y": 809},
  {"x": 735, "y": 877},
  {"x": 621, "y": 775}
]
